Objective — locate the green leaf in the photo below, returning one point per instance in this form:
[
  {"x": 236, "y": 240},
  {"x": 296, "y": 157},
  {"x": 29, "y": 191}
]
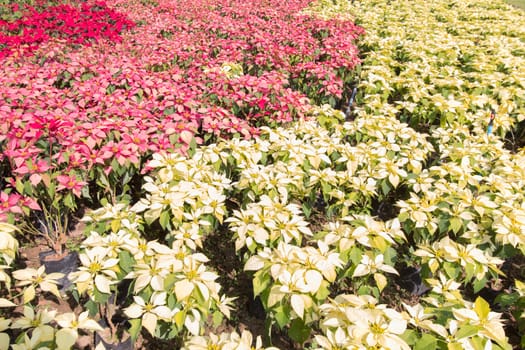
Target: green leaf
[
  {"x": 102, "y": 180},
  {"x": 410, "y": 336},
  {"x": 426, "y": 342},
  {"x": 179, "y": 318},
  {"x": 86, "y": 76},
  {"x": 115, "y": 225},
  {"x": 299, "y": 331},
  {"x": 381, "y": 281},
  {"x": 135, "y": 327},
  {"x": 85, "y": 192},
  {"x": 467, "y": 331},
  {"x": 217, "y": 318},
  {"x": 99, "y": 297},
  {"x": 19, "y": 186},
  {"x": 355, "y": 255},
  {"x": 192, "y": 147},
  {"x": 451, "y": 270},
  {"x": 482, "y": 308},
  {"x": 307, "y": 209},
  {"x": 469, "y": 271},
  {"x": 323, "y": 292},
  {"x": 456, "y": 224},
  {"x": 385, "y": 187},
  {"x": 164, "y": 219},
  {"x": 479, "y": 284},
  {"x": 126, "y": 261},
  {"x": 507, "y": 299},
  {"x": 69, "y": 201},
  {"x": 261, "y": 281},
  {"x": 169, "y": 110},
  {"x": 169, "y": 280},
  {"x": 455, "y": 346},
  {"x": 282, "y": 316},
  {"x": 477, "y": 343},
  {"x": 92, "y": 307},
  {"x": 404, "y": 216}
]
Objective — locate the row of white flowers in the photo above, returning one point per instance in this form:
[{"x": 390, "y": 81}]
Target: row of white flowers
[{"x": 442, "y": 67}]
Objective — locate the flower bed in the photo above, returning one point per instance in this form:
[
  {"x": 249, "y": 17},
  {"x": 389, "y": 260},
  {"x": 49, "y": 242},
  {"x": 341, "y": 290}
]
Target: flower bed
[{"x": 358, "y": 233}]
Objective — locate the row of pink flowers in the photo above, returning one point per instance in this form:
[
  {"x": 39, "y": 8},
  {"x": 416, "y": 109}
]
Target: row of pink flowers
[{"x": 71, "y": 114}]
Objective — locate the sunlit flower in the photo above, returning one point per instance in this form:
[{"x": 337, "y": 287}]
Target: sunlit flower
[
  {"x": 480, "y": 315},
  {"x": 70, "y": 182},
  {"x": 67, "y": 336},
  {"x": 449, "y": 288},
  {"x": 96, "y": 270},
  {"x": 4, "y": 337},
  {"x": 33, "y": 278},
  {"x": 150, "y": 312},
  {"x": 380, "y": 329},
  {"x": 195, "y": 276},
  {"x": 8, "y": 243},
  {"x": 38, "y": 322},
  {"x": 369, "y": 265}
]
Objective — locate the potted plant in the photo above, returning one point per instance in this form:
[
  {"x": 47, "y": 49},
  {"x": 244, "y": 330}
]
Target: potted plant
[
  {"x": 102, "y": 287},
  {"x": 50, "y": 219}
]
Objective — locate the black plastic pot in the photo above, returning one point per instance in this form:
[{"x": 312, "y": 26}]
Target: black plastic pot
[
  {"x": 410, "y": 280},
  {"x": 66, "y": 265}
]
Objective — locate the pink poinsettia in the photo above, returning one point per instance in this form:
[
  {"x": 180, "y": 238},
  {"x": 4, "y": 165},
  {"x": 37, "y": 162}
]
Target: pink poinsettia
[
  {"x": 10, "y": 203},
  {"x": 70, "y": 182}
]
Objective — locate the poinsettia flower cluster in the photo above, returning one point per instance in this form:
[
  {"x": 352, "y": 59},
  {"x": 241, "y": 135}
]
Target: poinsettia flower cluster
[{"x": 76, "y": 25}]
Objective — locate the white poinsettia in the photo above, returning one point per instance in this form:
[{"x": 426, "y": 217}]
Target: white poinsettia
[
  {"x": 418, "y": 316},
  {"x": 151, "y": 273},
  {"x": 97, "y": 270},
  {"x": 195, "y": 275},
  {"x": 4, "y": 336},
  {"x": 67, "y": 336},
  {"x": 359, "y": 321},
  {"x": 8, "y": 243},
  {"x": 38, "y": 322},
  {"x": 30, "y": 342},
  {"x": 380, "y": 329},
  {"x": 5, "y": 277},
  {"x": 225, "y": 340},
  {"x": 32, "y": 278},
  {"x": 490, "y": 323},
  {"x": 150, "y": 311},
  {"x": 372, "y": 264},
  {"x": 333, "y": 340},
  {"x": 448, "y": 288}
]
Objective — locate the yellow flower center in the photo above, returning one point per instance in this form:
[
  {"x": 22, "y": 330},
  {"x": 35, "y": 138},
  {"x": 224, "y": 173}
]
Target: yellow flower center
[
  {"x": 377, "y": 328},
  {"x": 95, "y": 267},
  {"x": 191, "y": 274}
]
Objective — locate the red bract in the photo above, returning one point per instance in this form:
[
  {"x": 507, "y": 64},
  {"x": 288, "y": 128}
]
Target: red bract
[{"x": 76, "y": 25}]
